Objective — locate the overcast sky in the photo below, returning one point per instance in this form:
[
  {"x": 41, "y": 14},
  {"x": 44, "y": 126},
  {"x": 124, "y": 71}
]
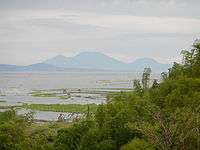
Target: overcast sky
[{"x": 34, "y": 30}]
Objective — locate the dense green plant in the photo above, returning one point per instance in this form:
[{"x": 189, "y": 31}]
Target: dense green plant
[
  {"x": 138, "y": 144},
  {"x": 15, "y": 134},
  {"x": 69, "y": 139},
  {"x": 146, "y": 78},
  {"x": 12, "y": 131}
]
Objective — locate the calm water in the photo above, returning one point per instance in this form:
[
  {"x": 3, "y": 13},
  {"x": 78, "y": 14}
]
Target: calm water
[
  {"x": 29, "y": 81},
  {"x": 15, "y": 87}
]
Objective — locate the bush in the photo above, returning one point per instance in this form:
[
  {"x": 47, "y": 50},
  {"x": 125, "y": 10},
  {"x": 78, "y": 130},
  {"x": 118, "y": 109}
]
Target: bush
[{"x": 138, "y": 144}]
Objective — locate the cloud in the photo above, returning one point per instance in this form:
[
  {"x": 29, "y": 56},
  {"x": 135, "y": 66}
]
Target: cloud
[
  {"x": 179, "y": 8},
  {"x": 141, "y": 23},
  {"x": 127, "y": 29},
  {"x": 40, "y": 28},
  {"x": 55, "y": 25}
]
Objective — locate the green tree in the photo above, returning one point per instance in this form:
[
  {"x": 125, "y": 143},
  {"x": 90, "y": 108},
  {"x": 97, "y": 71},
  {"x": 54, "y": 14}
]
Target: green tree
[
  {"x": 155, "y": 83},
  {"x": 70, "y": 138},
  {"x": 137, "y": 144},
  {"x": 137, "y": 87},
  {"x": 12, "y": 135},
  {"x": 146, "y": 78},
  {"x": 171, "y": 131}
]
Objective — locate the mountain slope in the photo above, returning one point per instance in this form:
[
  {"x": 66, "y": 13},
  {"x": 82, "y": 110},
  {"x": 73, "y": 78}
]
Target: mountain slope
[
  {"x": 142, "y": 63},
  {"x": 87, "y": 60},
  {"x": 33, "y": 67},
  {"x": 41, "y": 67},
  {"x": 95, "y": 60},
  {"x": 6, "y": 67}
]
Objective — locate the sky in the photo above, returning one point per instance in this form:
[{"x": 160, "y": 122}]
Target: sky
[{"x": 32, "y": 31}]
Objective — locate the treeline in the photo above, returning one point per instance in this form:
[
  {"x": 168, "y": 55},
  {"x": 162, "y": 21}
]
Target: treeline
[{"x": 163, "y": 115}]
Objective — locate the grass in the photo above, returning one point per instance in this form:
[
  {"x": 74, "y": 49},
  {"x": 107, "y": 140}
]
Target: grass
[
  {"x": 65, "y": 97},
  {"x": 2, "y": 101},
  {"x": 61, "y": 107},
  {"x": 7, "y": 107},
  {"x": 40, "y": 94}
]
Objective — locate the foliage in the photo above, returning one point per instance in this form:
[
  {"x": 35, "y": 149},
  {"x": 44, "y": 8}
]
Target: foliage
[
  {"x": 12, "y": 131},
  {"x": 146, "y": 78},
  {"x": 18, "y": 133},
  {"x": 137, "y": 87},
  {"x": 69, "y": 139},
  {"x": 138, "y": 144}
]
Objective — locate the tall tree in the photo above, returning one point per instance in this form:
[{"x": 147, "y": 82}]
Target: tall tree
[
  {"x": 146, "y": 78},
  {"x": 137, "y": 87}
]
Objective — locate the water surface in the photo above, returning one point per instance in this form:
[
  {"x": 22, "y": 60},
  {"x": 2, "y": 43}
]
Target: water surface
[{"x": 15, "y": 88}]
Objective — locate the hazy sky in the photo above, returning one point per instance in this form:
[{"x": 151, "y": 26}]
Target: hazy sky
[{"x": 34, "y": 30}]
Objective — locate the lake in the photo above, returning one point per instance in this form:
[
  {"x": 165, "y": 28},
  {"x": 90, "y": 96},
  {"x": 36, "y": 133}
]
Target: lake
[{"x": 15, "y": 88}]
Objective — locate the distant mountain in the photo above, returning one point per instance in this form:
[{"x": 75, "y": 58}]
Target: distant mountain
[
  {"x": 41, "y": 67},
  {"x": 95, "y": 60},
  {"x": 49, "y": 68},
  {"x": 142, "y": 63},
  {"x": 34, "y": 67},
  {"x": 88, "y": 61},
  {"x": 5, "y": 67}
]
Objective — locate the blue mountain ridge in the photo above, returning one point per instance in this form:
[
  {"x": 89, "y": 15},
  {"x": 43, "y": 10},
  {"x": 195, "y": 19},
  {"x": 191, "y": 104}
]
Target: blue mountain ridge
[{"x": 88, "y": 61}]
